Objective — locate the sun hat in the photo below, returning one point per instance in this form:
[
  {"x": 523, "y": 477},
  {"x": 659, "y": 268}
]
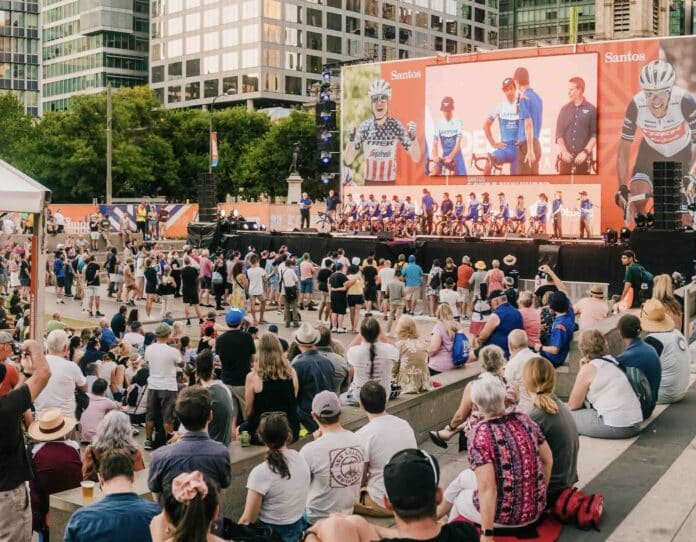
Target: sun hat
[
  {"x": 596, "y": 291},
  {"x": 234, "y": 317},
  {"x": 50, "y": 425},
  {"x": 480, "y": 265},
  {"x": 509, "y": 260},
  {"x": 509, "y": 282},
  {"x": 411, "y": 479},
  {"x": 653, "y": 317},
  {"x": 306, "y": 335},
  {"x": 211, "y": 316},
  {"x": 326, "y": 403},
  {"x": 163, "y": 330},
  {"x": 5, "y": 338}
]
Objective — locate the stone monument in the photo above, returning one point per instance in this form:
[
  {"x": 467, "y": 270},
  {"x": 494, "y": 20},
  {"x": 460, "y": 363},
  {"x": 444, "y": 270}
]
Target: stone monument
[{"x": 294, "y": 178}]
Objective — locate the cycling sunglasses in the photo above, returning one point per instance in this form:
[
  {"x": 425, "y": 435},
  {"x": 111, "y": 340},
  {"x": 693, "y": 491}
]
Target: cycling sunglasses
[
  {"x": 380, "y": 97},
  {"x": 664, "y": 94}
]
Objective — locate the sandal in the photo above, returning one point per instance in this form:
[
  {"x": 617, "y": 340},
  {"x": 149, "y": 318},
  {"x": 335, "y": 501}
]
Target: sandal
[{"x": 437, "y": 439}]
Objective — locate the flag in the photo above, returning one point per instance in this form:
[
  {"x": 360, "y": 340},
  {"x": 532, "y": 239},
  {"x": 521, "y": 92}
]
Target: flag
[{"x": 213, "y": 149}]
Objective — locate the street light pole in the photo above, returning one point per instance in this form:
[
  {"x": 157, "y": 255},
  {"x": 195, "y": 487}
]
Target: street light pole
[{"x": 108, "y": 143}]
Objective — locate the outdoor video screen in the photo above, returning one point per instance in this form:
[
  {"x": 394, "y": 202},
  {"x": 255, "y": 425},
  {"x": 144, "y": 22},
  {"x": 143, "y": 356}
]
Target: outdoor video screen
[{"x": 480, "y": 117}]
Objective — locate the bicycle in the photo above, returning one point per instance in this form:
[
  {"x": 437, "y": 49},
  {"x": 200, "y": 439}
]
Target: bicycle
[
  {"x": 324, "y": 223},
  {"x": 536, "y": 226},
  {"x": 442, "y": 167},
  {"x": 592, "y": 164},
  {"x": 490, "y": 167}
]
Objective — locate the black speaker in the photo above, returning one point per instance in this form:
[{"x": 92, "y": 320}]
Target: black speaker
[
  {"x": 666, "y": 195},
  {"x": 207, "y": 198},
  {"x": 310, "y": 230},
  {"x": 385, "y": 236}
]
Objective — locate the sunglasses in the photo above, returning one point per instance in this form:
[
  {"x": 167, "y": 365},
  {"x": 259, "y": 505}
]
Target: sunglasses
[
  {"x": 663, "y": 94},
  {"x": 380, "y": 97}
]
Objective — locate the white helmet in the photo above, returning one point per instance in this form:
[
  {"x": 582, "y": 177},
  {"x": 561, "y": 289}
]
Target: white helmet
[
  {"x": 379, "y": 87},
  {"x": 657, "y": 75}
]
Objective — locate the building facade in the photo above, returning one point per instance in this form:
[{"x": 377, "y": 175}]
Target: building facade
[
  {"x": 87, "y": 44},
  {"x": 19, "y": 62},
  {"x": 623, "y": 19},
  {"x": 271, "y": 52}
]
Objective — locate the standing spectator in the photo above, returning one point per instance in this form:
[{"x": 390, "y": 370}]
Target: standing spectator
[
  {"x": 92, "y": 282},
  {"x": 8, "y": 371},
  {"x": 442, "y": 340},
  {"x": 663, "y": 292},
  {"x": 341, "y": 375},
  {"x": 369, "y": 273},
  {"x": 501, "y": 322},
  {"x": 413, "y": 274},
  {"x": 323, "y": 276},
  {"x": 66, "y": 378},
  {"x": 162, "y": 219},
  {"x": 531, "y": 319},
  {"x": 338, "y": 298},
  {"x": 384, "y": 276},
  {"x": 130, "y": 285},
  {"x": 16, "y": 471},
  {"x": 356, "y": 286},
  {"x": 110, "y": 266},
  {"x": 411, "y": 369},
  {"x": 163, "y": 361},
  {"x": 520, "y": 354},
  {"x": 591, "y": 310},
  {"x": 189, "y": 290},
  {"x": 240, "y": 284},
  {"x": 237, "y": 351},
  {"x": 151, "y": 279},
  {"x": 478, "y": 280},
  {"x": 165, "y": 291},
  {"x": 257, "y": 285},
  {"x": 381, "y": 438},
  {"x": 59, "y": 266},
  {"x": 395, "y": 299},
  {"x": 305, "y": 206},
  {"x": 464, "y": 274},
  {"x": 205, "y": 273},
  {"x": 221, "y": 403},
  {"x": 495, "y": 277},
  {"x": 449, "y": 296},
  {"x": 96, "y": 410},
  {"x": 195, "y": 450},
  {"x": 434, "y": 284},
  {"x": 121, "y": 514},
  {"x": 94, "y": 232},
  {"x": 118, "y": 322},
  {"x": 335, "y": 461},
  {"x": 289, "y": 284},
  {"x": 314, "y": 373},
  {"x": 307, "y": 268},
  {"x": 561, "y": 331}
]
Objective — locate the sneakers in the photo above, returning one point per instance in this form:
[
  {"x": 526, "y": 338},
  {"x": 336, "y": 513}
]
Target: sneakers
[
  {"x": 188, "y": 321},
  {"x": 334, "y": 330},
  {"x": 341, "y": 330},
  {"x": 98, "y": 314},
  {"x": 147, "y": 445}
]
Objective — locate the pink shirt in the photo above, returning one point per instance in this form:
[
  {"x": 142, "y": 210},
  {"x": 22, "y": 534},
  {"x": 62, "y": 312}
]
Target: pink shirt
[
  {"x": 531, "y": 320},
  {"x": 206, "y": 268},
  {"x": 97, "y": 409},
  {"x": 306, "y": 270},
  {"x": 495, "y": 280},
  {"x": 591, "y": 310},
  {"x": 442, "y": 360}
]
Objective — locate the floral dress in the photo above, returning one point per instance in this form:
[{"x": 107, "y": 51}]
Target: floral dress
[
  {"x": 411, "y": 369},
  {"x": 238, "y": 295}
]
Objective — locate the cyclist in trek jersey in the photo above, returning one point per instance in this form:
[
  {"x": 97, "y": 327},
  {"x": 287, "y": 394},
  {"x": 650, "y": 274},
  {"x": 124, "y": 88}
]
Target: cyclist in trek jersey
[
  {"x": 377, "y": 138},
  {"x": 508, "y": 125},
  {"x": 474, "y": 206},
  {"x": 520, "y": 215},
  {"x": 397, "y": 206},
  {"x": 372, "y": 206},
  {"x": 409, "y": 209},
  {"x": 385, "y": 208},
  {"x": 363, "y": 208},
  {"x": 350, "y": 208},
  {"x": 447, "y": 143},
  {"x": 485, "y": 206},
  {"x": 503, "y": 214},
  {"x": 459, "y": 206},
  {"x": 666, "y": 116},
  {"x": 542, "y": 209}
]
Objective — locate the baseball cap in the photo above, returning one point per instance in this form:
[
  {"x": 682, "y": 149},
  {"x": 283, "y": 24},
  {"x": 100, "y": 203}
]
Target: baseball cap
[
  {"x": 411, "y": 478},
  {"x": 411, "y": 259},
  {"x": 447, "y": 104},
  {"x": 163, "y": 330},
  {"x": 5, "y": 338},
  {"x": 559, "y": 302},
  {"x": 234, "y": 317},
  {"x": 326, "y": 403},
  {"x": 508, "y": 81}
]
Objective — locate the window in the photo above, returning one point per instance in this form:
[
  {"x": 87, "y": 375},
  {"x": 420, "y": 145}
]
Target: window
[
  {"x": 159, "y": 94},
  {"x": 250, "y": 58},
  {"x": 404, "y": 37},
  {"x": 272, "y": 33},
  {"x": 353, "y": 5},
  {"x": 388, "y": 53},
  {"x": 403, "y": 54},
  {"x": 155, "y": 52},
  {"x": 174, "y": 49},
  {"x": 388, "y": 32},
  {"x": 230, "y": 61},
  {"x": 174, "y": 70},
  {"x": 439, "y": 43},
  {"x": 333, "y": 44},
  {"x": 193, "y": 91},
  {"x": 314, "y": 64},
  {"x": 230, "y": 85},
  {"x": 250, "y": 9},
  {"x": 211, "y": 64},
  {"x": 479, "y": 15},
  {"x": 271, "y": 9},
  {"x": 250, "y": 83},
  {"x": 293, "y": 61},
  {"x": 193, "y": 22},
  {"x": 451, "y": 47},
  {"x": 451, "y": 27},
  {"x": 465, "y": 12},
  {"x": 211, "y": 41},
  {"x": 193, "y": 45},
  {"x": 190, "y": 4},
  {"x": 436, "y": 22},
  {"x": 314, "y": 17},
  {"x": 465, "y": 30},
  {"x": 293, "y": 14},
  {"x": 271, "y": 82},
  {"x": 622, "y": 16},
  {"x": 174, "y": 94},
  {"x": 314, "y": 41},
  {"x": 421, "y": 19},
  {"x": 271, "y": 57},
  {"x": 193, "y": 67},
  {"x": 293, "y": 85},
  {"x": 333, "y": 21},
  {"x": 174, "y": 7},
  {"x": 406, "y": 15},
  {"x": 293, "y": 37},
  {"x": 492, "y": 37},
  {"x": 493, "y": 18},
  {"x": 371, "y": 29},
  {"x": 478, "y": 34},
  {"x": 354, "y": 47},
  {"x": 211, "y": 18},
  {"x": 437, "y": 5},
  {"x": 211, "y": 88},
  {"x": 352, "y": 26},
  {"x": 309, "y": 83},
  {"x": 388, "y": 11},
  {"x": 334, "y": 3},
  {"x": 157, "y": 73},
  {"x": 250, "y": 33},
  {"x": 372, "y": 8},
  {"x": 230, "y": 14},
  {"x": 174, "y": 26}
]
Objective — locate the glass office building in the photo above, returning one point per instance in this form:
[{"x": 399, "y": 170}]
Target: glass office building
[
  {"x": 89, "y": 43},
  {"x": 271, "y": 52},
  {"x": 19, "y": 54}
]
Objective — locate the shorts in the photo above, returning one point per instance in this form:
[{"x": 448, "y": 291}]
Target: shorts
[
  {"x": 161, "y": 403},
  {"x": 206, "y": 283},
  {"x": 94, "y": 235},
  {"x": 60, "y": 282},
  {"x": 354, "y": 300},
  {"x": 433, "y": 291},
  {"x": 258, "y": 297},
  {"x": 113, "y": 277},
  {"x": 508, "y": 155},
  {"x": 411, "y": 292},
  {"x": 190, "y": 298},
  {"x": 371, "y": 292},
  {"x": 643, "y": 168},
  {"x": 306, "y": 286},
  {"x": 464, "y": 294},
  {"x": 150, "y": 288},
  {"x": 338, "y": 302},
  {"x": 24, "y": 281},
  {"x": 323, "y": 287},
  {"x": 92, "y": 291}
]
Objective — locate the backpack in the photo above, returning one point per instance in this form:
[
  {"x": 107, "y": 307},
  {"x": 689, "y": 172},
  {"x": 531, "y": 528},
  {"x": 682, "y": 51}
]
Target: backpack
[
  {"x": 436, "y": 281},
  {"x": 640, "y": 384},
  {"x": 134, "y": 394},
  {"x": 460, "y": 349}
]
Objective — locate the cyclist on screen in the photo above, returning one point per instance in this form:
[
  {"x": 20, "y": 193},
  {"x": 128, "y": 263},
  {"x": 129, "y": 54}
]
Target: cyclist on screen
[
  {"x": 447, "y": 142},
  {"x": 507, "y": 113},
  {"x": 377, "y": 137},
  {"x": 666, "y": 115}
]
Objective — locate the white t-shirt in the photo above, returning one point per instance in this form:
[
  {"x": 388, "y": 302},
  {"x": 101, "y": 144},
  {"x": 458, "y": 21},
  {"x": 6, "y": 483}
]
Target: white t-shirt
[
  {"x": 359, "y": 357},
  {"x": 514, "y": 371},
  {"x": 675, "y": 359},
  {"x": 386, "y": 275},
  {"x": 60, "y": 391},
  {"x": 612, "y": 396},
  {"x": 162, "y": 361},
  {"x": 136, "y": 340},
  {"x": 336, "y": 463},
  {"x": 451, "y": 297},
  {"x": 256, "y": 276},
  {"x": 592, "y": 310},
  {"x": 60, "y": 219},
  {"x": 283, "y": 499},
  {"x": 381, "y": 438}
]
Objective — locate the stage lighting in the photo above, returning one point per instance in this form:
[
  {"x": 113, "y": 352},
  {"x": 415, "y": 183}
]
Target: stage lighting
[
  {"x": 610, "y": 236},
  {"x": 326, "y": 136},
  {"x": 649, "y": 220},
  {"x": 624, "y": 235},
  {"x": 641, "y": 221},
  {"x": 325, "y": 92},
  {"x": 326, "y": 74},
  {"x": 325, "y": 115},
  {"x": 326, "y": 178},
  {"x": 325, "y": 157}
]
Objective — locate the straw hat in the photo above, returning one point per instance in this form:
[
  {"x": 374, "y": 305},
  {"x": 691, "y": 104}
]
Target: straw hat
[
  {"x": 51, "y": 425},
  {"x": 306, "y": 335},
  {"x": 653, "y": 317},
  {"x": 480, "y": 265},
  {"x": 509, "y": 260},
  {"x": 597, "y": 291}
]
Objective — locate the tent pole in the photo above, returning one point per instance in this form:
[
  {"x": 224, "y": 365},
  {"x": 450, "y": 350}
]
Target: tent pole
[{"x": 38, "y": 278}]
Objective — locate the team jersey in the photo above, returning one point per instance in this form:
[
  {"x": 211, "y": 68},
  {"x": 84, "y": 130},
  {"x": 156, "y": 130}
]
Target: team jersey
[
  {"x": 409, "y": 209},
  {"x": 504, "y": 210},
  {"x": 542, "y": 208},
  {"x": 530, "y": 107},
  {"x": 509, "y": 120},
  {"x": 556, "y": 206},
  {"x": 519, "y": 212},
  {"x": 397, "y": 206},
  {"x": 667, "y": 135},
  {"x": 448, "y": 131},
  {"x": 385, "y": 209},
  {"x": 362, "y": 206},
  {"x": 458, "y": 209},
  {"x": 473, "y": 210},
  {"x": 485, "y": 207},
  {"x": 379, "y": 141},
  {"x": 446, "y": 206},
  {"x": 372, "y": 207}
]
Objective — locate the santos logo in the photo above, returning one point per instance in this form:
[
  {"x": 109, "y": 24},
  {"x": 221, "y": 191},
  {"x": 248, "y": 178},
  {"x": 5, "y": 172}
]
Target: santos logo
[
  {"x": 396, "y": 76},
  {"x": 613, "y": 58}
]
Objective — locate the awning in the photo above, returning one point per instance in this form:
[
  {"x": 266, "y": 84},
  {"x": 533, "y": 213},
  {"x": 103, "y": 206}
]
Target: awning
[{"x": 19, "y": 193}]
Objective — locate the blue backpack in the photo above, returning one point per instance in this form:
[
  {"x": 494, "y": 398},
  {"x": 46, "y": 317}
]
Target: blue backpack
[{"x": 460, "y": 349}]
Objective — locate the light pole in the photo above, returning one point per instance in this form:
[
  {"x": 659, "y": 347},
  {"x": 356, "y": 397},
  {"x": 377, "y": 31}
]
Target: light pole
[
  {"x": 210, "y": 129},
  {"x": 108, "y": 143}
]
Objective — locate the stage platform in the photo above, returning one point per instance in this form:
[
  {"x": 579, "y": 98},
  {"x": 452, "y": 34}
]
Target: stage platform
[{"x": 581, "y": 260}]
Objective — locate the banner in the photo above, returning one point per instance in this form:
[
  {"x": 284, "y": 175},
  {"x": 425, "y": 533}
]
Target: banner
[{"x": 213, "y": 149}]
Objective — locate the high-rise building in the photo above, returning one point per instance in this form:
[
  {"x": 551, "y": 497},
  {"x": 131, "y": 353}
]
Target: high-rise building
[
  {"x": 622, "y": 19},
  {"x": 19, "y": 62},
  {"x": 89, "y": 43},
  {"x": 271, "y": 52},
  {"x": 525, "y": 23}
]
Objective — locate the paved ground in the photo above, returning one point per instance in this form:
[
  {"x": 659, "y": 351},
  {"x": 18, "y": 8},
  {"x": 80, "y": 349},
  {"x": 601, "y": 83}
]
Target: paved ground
[{"x": 649, "y": 482}]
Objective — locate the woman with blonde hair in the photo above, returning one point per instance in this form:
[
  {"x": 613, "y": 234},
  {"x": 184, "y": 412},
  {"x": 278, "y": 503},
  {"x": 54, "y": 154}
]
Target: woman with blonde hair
[
  {"x": 270, "y": 387},
  {"x": 411, "y": 369},
  {"x": 556, "y": 422},
  {"x": 663, "y": 292},
  {"x": 441, "y": 340}
]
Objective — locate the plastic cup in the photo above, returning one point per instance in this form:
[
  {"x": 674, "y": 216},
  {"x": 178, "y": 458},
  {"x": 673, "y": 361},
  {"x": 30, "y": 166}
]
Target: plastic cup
[{"x": 87, "y": 490}]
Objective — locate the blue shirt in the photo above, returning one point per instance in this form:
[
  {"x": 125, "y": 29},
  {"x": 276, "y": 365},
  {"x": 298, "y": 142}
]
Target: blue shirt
[
  {"x": 305, "y": 202},
  {"x": 412, "y": 273},
  {"x": 557, "y": 203},
  {"x": 108, "y": 338},
  {"x": 117, "y": 517},
  {"x": 428, "y": 202},
  {"x": 510, "y": 319},
  {"x": 59, "y": 268},
  {"x": 641, "y": 355},
  {"x": 561, "y": 335},
  {"x": 585, "y": 208},
  {"x": 530, "y": 108}
]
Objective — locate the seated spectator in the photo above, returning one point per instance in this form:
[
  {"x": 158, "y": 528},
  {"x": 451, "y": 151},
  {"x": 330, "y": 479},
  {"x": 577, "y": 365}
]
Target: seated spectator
[
  {"x": 510, "y": 292},
  {"x": 278, "y": 487},
  {"x": 96, "y": 410},
  {"x": 271, "y": 386},
  {"x": 136, "y": 336},
  {"x": 220, "y": 426},
  {"x": 56, "y": 462},
  {"x": 121, "y": 514},
  {"x": 108, "y": 337},
  {"x": 335, "y": 461},
  {"x": 615, "y": 411},
  {"x": 510, "y": 463},
  {"x": 441, "y": 341},
  {"x": 371, "y": 357},
  {"x": 500, "y": 323},
  {"x": 314, "y": 373},
  {"x": 283, "y": 343},
  {"x": 663, "y": 292},
  {"x": 556, "y": 422},
  {"x": 468, "y": 414},
  {"x": 591, "y": 310},
  {"x": 561, "y": 331},
  {"x": 671, "y": 346},
  {"x": 411, "y": 369},
  {"x": 411, "y": 478},
  {"x": 641, "y": 355},
  {"x": 118, "y": 322},
  {"x": 520, "y": 354},
  {"x": 383, "y": 436},
  {"x": 114, "y": 432},
  {"x": 113, "y": 372},
  {"x": 191, "y": 504},
  {"x": 195, "y": 450},
  {"x": 531, "y": 319},
  {"x": 327, "y": 348}
]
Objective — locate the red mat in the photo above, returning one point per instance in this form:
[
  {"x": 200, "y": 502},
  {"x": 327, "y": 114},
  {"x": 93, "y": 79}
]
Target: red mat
[{"x": 547, "y": 529}]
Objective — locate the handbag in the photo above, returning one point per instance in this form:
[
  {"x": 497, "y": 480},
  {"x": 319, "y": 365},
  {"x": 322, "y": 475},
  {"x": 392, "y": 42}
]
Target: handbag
[
  {"x": 217, "y": 278},
  {"x": 255, "y": 532}
]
